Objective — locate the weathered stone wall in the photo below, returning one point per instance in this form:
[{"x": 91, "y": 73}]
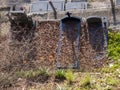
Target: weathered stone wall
[
  {"x": 48, "y": 37},
  {"x": 90, "y": 12},
  {"x": 42, "y": 49}
]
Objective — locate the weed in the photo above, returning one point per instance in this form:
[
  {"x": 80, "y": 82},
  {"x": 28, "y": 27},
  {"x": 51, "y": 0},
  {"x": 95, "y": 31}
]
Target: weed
[
  {"x": 112, "y": 69},
  {"x": 69, "y": 76},
  {"x": 43, "y": 71},
  {"x": 98, "y": 87},
  {"x": 60, "y": 75},
  {"x": 20, "y": 74},
  {"x": 30, "y": 74},
  {"x": 112, "y": 81},
  {"x": 114, "y": 45},
  {"x": 86, "y": 81},
  {"x": 105, "y": 69},
  {"x": 39, "y": 75}
]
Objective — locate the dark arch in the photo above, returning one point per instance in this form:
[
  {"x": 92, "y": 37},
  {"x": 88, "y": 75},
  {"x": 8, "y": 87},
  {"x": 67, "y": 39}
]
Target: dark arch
[
  {"x": 71, "y": 26},
  {"x": 96, "y": 33}
]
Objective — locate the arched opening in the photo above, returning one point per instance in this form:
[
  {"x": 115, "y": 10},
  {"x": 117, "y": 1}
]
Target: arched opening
[
  {"x": 69, "y": 38},
  {"x": 96, "y": 33}
]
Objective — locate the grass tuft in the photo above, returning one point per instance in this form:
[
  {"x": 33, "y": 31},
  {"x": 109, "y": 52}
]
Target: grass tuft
[
  {"x": 86, "y": 81},
  {"x": 60, "y": 75},
  {"x": 69, "y": 76}
]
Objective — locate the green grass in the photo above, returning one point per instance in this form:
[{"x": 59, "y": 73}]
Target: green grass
[
  {"x": 114, "y": 45},
  {"x": 112, "y": 81},
  {"x": 70, "y": 76},
  {"x": 60, "y": 75},
  {"x": 86, "y": 81},
  {"x": 33, "y": 73},
  {"x": 108, "y": 69}
]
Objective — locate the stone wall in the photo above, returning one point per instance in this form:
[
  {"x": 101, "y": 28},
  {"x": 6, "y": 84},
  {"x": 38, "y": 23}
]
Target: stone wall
[
  {"x": 47, "y": 48},
  {"x": 42, "y": 48}
]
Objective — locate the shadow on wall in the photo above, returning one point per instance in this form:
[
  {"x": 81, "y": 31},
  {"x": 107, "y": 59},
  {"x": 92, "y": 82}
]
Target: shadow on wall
[
  {"x": 70, "y": 30},
  {"x": 97, "y": 28},
  {"x": 71, "y": 26},
  {"x": 96, "y": 33}
]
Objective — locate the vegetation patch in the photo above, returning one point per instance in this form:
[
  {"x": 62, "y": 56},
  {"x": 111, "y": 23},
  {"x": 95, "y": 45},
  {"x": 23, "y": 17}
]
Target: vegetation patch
[
  {"x": 112, "y": 81},
  {"x": 40, "y": 75},
  {"x": 114, "y": 45},
  {"x": 70, "y": 76},
  {"x": 60, "y": 75},
  {"x": 86, "y": 81}
]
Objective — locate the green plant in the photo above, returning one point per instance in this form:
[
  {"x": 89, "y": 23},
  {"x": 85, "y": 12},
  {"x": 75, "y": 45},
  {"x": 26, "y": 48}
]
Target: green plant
[
  {"x": 29, "y": 74},
  {"x": 69, "y": 76},
  {"x": 112, "y": 81},
  {"x": 42, "y": 73},
  {"x": 20, "y": 74},
  {"x": 105, "y": 69},
  {"x": 114, "y": 68},
  {"x": 114, "y": 45},
  {"x": 108, "y": 69},
  {"x": 86, "y": 81},
  {"x": 60, "y": 75},
  {"x": 98, "y": 87}
]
